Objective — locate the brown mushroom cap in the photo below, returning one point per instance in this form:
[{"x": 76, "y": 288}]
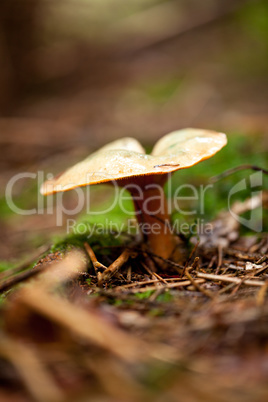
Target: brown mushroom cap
[{"x": 126, "y": 158}]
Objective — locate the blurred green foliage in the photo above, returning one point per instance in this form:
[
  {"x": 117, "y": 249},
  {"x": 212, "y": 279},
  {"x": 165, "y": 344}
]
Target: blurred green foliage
[
  {"x": 254, "y": 18},
  {"x": 240, "y": 150},
  {"x": 160, "y": 91},
  {"x": 5, "y": 265}
]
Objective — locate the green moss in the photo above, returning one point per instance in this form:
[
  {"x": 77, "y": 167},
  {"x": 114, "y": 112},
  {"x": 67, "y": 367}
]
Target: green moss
[
  {"x": 88, "y": 281},
  {"x": 165, "y": 297},
  {"x": 144, "y": 295}
]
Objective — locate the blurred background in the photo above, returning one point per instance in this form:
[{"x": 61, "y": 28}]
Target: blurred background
[{"x": 75, "y": 74}]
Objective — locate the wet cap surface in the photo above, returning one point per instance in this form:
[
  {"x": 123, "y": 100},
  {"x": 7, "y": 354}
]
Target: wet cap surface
[{"x": 126, "y": 158}]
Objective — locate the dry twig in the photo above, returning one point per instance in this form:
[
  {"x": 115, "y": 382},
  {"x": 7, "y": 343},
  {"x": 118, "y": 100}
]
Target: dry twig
[
  {"x": 153, "y": 274},
  {"x": 163, "y": 286},
  {"x": 96, "y": 264},
  {"x": 224, "y": 278},
  {"x": 261, "y": 294},
  {"x": 14, "y": 280},
  {"x": 228, "y": 172},
  {"x": 21, "y": 267},
  {"x": 113, "y": 268},
  {"x": 206, "y": 292}
]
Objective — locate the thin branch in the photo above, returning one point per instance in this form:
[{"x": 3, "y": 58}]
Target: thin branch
[
  {"x": 207, "y": 293},
  {"x": 142, "y": 283},
  {"x": 113, "y": 268},
  {"x": 23, "y": 276},
  {"x": 168, "y": 286},
  {"x": 261, "y": 294},
  {"x": 153, "y": 274},
  {"x": 231, "y": 171},
  {"x": 96, "y": 264},
  {"x": 224, "y": 278},
  {"x": 22, "y": 266}
]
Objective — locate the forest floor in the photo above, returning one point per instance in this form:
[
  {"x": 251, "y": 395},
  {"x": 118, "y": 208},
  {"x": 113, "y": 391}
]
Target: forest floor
[{"x": 191, "y": 332}]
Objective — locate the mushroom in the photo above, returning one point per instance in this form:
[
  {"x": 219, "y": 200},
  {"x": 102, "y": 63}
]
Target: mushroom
[{"x": 143, "y": 175}]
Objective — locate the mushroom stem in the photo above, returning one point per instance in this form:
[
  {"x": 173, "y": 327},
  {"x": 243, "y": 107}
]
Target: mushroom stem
[{"x": 153, "y": 219}]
